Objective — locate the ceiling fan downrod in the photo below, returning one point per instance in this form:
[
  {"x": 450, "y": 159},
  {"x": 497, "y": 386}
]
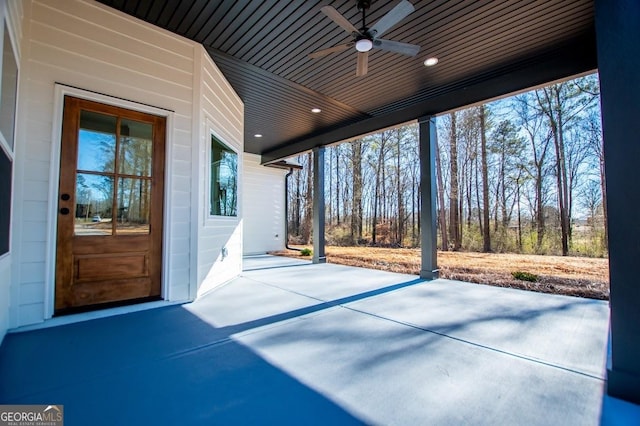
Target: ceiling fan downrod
[{"x": 364, "y": 5}]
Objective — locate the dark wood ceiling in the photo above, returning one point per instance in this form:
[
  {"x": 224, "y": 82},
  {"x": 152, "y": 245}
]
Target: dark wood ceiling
[{"x": 486, "y": 49}]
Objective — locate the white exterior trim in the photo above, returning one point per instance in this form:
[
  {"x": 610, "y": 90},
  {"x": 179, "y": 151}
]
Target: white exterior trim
[
  {"x": 12, "y": 19},
  {"x": 209, "y": 219},
  {"x": 60, "y": 92}
]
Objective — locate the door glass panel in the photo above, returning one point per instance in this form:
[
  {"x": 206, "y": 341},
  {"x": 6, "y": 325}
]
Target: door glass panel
[
  {"x": 134, "y": 201},
  {"x": 96, "y": 142},
  {"x": 135, "y": 148},
  {"x": 94, "y": 204}
]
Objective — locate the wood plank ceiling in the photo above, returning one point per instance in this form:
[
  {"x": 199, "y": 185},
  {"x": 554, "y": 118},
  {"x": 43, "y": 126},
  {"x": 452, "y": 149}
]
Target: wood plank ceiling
[{"x": 485, "y": 49}]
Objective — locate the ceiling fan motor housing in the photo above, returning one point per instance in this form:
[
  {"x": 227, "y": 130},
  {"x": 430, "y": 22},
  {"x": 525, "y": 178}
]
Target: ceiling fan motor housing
[{"x": 364, "y": 4}]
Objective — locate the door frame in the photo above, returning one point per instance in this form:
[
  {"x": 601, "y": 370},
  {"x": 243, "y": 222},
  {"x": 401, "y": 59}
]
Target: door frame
[{"x": 61, "y": 91}]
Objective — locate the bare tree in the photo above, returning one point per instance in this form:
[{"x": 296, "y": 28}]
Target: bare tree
[
  {"x": 454, "y": 213},
  {"x": 562, "y": 103},
  {"x": 486, "y": 234},
  {"x": 356, "y": 209},
  {"x": 442, "y": 217},
  {"x": 594, "y": 137},
  {"x": 531, "y": 125}
]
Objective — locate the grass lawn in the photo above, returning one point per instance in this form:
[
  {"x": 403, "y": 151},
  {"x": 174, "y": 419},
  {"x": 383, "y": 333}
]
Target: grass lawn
[{"x": 573, "y": 276}]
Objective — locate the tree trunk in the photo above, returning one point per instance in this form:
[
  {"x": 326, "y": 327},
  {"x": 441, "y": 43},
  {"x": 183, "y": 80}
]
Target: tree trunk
[
  {"x": 442, "y": 217},
  {"x": 356, "y": 210},
  {"x": 454, "y": 219},
  {"x": 603, "y": 190},
  {"x": 552, "y": 108},
  {"x": 296, "y": 204},
  {"x": 337, "y": 151},
  {"x": 565, "y": 212},
  {"x": 479, "y": 208},
  {"x": 400, "y": 206},
  {"x": 539, "y": 209},
  {"x": 486, "y": 236},
  {"x": 519, "y": 215},
  {"x": 308, "y": 203}
]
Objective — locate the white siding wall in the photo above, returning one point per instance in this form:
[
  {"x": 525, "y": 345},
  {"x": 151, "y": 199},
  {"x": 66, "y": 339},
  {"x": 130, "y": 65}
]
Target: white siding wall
[
  {"x": 11, "y": 12},
  {"x": 263, "y": 199},
  {"x": 84, "y": 44},
  {"x": 222, "y": 112}
]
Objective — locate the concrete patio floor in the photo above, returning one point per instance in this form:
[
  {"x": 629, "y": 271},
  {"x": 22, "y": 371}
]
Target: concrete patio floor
[{"x": 289, "y": 342}]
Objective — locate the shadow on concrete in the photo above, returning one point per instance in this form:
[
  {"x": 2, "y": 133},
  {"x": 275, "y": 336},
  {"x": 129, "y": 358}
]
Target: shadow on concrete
[{"x": 164, "y": 366}]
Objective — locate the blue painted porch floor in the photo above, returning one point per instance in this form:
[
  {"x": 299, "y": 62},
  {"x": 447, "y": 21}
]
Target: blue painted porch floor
[{"x": 289, "y": 342}]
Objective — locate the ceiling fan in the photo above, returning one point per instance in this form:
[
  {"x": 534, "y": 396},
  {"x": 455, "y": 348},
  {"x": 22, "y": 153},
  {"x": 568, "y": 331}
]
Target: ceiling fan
[{"x": 365, "y": 39}]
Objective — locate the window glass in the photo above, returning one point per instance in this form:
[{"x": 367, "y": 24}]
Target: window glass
[
  {"x": 96, "y": 142},
  {"x": 5, "y": 200},
  {"x": 136, "y": 142},
  {"x": 113, "y": 176},
  {"x": 224, "y": 180},
  {"x": 94, "y": 201},
  {"x": 134, "y": 201},
  {"x": 8, "y": 90}
]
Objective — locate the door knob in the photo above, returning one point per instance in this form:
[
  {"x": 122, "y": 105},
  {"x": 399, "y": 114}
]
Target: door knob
[
  {"x": 65, "y": 197},
  {"x": 64, "y": 210}
]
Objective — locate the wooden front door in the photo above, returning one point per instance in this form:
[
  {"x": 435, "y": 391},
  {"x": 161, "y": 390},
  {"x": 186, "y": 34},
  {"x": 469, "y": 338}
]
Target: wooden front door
[{"x": 110, "y": 203}]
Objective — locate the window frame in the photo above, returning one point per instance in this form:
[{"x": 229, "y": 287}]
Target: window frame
[
  {"x": 9, "y": 147},
  {"x": 211, "y": 134}
]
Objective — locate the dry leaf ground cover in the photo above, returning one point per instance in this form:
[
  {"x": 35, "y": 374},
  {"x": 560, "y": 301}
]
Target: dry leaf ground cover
[{"x": 573, "y": 276}]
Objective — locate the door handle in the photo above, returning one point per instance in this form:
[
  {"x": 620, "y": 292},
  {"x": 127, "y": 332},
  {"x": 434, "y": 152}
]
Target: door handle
[
  {"x": 65, "y": 197},
  {"x": 64, "y": 210}
]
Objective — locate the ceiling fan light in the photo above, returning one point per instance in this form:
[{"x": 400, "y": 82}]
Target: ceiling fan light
[
  {"x": 364, "y": 45},
  {"x": 429, "y": 62}
]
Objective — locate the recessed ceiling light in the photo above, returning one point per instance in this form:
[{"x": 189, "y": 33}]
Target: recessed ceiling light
[
  {"x": 316, "y": 110},
  {"x": 257, "y": 135},
  {"x": 429, "y": 62}
]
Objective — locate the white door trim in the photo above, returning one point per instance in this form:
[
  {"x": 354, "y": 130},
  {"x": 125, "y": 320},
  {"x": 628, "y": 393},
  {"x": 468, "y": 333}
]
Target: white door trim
[{"x": 52, "y": 215}]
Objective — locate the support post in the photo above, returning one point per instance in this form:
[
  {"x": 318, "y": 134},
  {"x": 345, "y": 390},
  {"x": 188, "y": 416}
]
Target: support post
[
  {"x": 428, "y": 216},
  {"x": 318, "y": 206},
  {"x": 618, "y": 44}
]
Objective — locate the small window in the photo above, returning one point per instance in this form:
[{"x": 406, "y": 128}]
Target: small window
[
  {"x": 224, "y": 180},
  {"x": 8, "y": 87},
  {"x": 8, "y": 90}
]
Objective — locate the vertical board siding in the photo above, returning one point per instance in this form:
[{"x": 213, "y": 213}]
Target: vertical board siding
[
  {"x": 84, "y": 44},
  {"x": 223, "y": 112},
  {"x": 263, "y": 207}
]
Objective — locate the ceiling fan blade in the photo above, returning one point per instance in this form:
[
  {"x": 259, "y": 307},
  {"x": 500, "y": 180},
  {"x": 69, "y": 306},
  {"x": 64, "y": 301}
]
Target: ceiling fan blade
[
  {"x": 395, "y": 15},
  {"x": 363, "y": 64},
  {"x": 336, "y": 17},
  {"x": 324, "y": 52},
  {"x": 397, "y": 47}
]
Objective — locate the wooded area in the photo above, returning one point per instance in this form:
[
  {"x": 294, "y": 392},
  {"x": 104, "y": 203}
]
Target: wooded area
[{"x": 523, "y": 174}]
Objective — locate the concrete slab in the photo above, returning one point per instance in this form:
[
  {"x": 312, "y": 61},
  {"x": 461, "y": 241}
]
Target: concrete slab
[
  {"x": 331, "y": 282},
  {"x": 387, "y": 373},
  {"x": 290, "y": 342},
  {"x": 567, "y": 332}
]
